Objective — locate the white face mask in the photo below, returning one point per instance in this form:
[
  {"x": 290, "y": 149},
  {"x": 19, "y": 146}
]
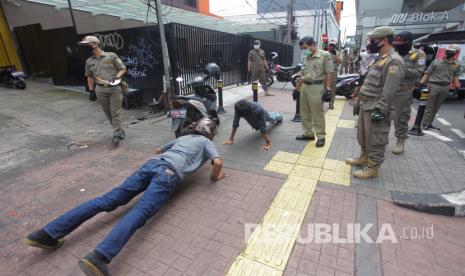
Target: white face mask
[{"x": 256, "y": 46}]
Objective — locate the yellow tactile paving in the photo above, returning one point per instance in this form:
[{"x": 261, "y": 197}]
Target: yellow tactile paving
[
  {"x": 286, "y": 157},
  {"x": 311, "y": 161},
  {"x": 334, "y": 165},
  {"x": 283, "y": 221},
  {"x": 269, "y": 248},
  {"x": 340, "y": 177},
  {"x": 246, "y": 267},
  {"x": 300, "y": 184},
  {"x": 346, "y": 123},
  {"x": 279, "y": 167},
  {"x": 292, "y": 200},
  {"x": 307, "y": 172}
]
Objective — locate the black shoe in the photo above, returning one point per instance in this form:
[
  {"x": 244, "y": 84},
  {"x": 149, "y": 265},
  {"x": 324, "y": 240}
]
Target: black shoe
[
  {"x": 94, "y": 264},
  {"x": 430, "y": 126},
  {"x": 320, "y": 143},
  {"x": 42, "y": 240},
  {"x": 305, "y": 138},
  {"x": 118, "y": 137}
]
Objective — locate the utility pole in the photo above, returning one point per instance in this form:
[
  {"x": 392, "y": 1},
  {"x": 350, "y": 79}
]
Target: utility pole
[
  {"x": 290, "y": 24},
  {"x": 166, "y": 58}
]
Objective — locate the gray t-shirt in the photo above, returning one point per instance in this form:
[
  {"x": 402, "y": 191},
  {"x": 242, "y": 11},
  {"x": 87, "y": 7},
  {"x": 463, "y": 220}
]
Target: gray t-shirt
[{"x": 188, "y": 153}]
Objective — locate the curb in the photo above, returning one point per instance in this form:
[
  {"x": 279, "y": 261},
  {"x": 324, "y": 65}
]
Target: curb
[{"x": 450, "y": 204}]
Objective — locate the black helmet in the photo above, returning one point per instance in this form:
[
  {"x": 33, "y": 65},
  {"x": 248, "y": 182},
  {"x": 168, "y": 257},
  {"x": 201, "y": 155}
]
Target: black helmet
[
  {"x": 273, "y": 55},
  {"x": 213, "y": 70}
]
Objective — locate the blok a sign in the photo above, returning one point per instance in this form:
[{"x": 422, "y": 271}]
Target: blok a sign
[{"x": 419, "y": 17}]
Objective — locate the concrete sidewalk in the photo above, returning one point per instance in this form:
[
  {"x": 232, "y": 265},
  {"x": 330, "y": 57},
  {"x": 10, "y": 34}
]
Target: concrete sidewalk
[{"x": 201, "y": 231}]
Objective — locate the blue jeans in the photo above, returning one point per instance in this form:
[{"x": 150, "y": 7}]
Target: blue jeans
[
  {"x": 274, "y": 117},
  {"x": 155, "y": 177}
]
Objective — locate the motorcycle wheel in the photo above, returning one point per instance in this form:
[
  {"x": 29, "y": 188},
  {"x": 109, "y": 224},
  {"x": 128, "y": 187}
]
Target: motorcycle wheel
[
  {"x": 20, "y": 84},
  {"x": 295, "y": 80}
]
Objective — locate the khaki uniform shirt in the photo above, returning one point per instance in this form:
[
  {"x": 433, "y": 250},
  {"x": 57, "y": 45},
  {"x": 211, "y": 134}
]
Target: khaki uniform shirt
[
  {"x": 345, "y": 58},
  {"x": 333, "y": 58},
  {"x": 382, "y": 82},
  {"x": 317, "y": 66},
  {"x": 414, "y": 62},
  {"x": 104, "y": 67},
  {"x": 257, "y": 59},
  {"x": 441, "y": 71}
]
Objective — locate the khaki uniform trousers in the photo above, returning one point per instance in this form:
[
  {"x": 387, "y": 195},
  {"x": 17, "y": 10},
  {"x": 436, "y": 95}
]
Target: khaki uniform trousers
[
  {"x": 111, "y": 101},
  {"x": 333, "y": 86},
  {"x": 402, "y": 111},
  {"x": 311, "y": 110},
  {"x": 437, "y": 95},
  {"x": 373, "y": 138},
  {"x": 259, "y": 75}
]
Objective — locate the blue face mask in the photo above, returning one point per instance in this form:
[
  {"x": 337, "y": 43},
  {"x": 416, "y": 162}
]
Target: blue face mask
[{"x": 307, "y": 52}]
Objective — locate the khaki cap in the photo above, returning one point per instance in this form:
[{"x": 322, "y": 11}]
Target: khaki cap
[
  {"x": 89, "y": 39},
  {"x": 453, "y": 48},
  {"x": 381, "y": 32}
]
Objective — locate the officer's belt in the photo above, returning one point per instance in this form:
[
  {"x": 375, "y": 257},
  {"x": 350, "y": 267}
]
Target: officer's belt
[
  {"x": 105, "y": 85},
  {"x": 313, "y": 82},
  {"x": 441, "y": 83}
]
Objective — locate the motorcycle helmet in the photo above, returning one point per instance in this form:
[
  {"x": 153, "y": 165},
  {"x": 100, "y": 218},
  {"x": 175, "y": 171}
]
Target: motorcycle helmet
[
  {"x": 273, "y": 55},
  {"x": 213, "y": 70},
  {"x": 206, "y": 127}
]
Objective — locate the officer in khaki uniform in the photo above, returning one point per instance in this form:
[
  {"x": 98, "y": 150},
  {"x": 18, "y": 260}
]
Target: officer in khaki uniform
[
  {"x": 439, "y": 75},
  {"x": 336, "y": 59},
  {"x": 315, "y": 75},
  {"x": 376, "y": 94},
  {"x": 103, "y": 69},
  {"x": 414, "y": 61},
  {"x": 258, "y": 66}
]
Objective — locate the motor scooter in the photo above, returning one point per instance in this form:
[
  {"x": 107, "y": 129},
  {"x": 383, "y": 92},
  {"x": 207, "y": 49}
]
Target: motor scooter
[
  {"x": 189, "y": 109},
  {"x": 12, "y": 78}
]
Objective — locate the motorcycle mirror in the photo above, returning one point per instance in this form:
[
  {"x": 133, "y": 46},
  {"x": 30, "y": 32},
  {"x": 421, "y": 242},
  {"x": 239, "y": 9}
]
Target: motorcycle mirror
[{"x": 179, "y": 79}]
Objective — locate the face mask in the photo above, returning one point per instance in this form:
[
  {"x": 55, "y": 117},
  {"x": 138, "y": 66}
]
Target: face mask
[
  {"x": 374, "y": 47},
  {"x": 450, "y": 54},
  {"x": 89, "y": 50},
  {"x": 307, "y": 52},
  {"x": 403, "y": 49},
  {"x": 256, "y": 46}
]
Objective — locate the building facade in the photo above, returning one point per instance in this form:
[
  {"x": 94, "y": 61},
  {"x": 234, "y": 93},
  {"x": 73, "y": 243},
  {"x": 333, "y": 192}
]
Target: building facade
[{"x": 421, "y": 17}]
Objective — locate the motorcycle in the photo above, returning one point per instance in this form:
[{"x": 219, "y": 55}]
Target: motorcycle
[
  {"x": 189, "y": 109},
  {"x": 346, "y": 85},
  {"x": 282, "y": 73},
  {"x": 12, "y": 78}
]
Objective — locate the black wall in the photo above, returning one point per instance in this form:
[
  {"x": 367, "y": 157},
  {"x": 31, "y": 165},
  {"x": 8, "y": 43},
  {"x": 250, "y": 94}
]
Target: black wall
[{"x": 55, "y": 53}]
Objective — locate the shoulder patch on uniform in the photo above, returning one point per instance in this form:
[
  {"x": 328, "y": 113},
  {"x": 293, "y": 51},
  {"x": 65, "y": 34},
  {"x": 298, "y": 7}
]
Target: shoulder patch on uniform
[
  {"x": 393, "y": 69},
  {"x": 413, "y": 56},
  {"x": 422, "y": 61}
]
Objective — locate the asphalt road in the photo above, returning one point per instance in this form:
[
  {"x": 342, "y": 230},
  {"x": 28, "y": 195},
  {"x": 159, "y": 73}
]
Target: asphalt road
[{"x": 452, "y": 122}]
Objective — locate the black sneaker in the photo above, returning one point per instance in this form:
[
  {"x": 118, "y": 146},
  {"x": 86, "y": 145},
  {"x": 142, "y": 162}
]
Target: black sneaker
[
  {"x": 320, "y": 143},
  {"x": 430, "y": 126},
  {"x": 305, "y": 138},
  {"x": 94, "y": 264},
  {"x": 42, "y": 240}
]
